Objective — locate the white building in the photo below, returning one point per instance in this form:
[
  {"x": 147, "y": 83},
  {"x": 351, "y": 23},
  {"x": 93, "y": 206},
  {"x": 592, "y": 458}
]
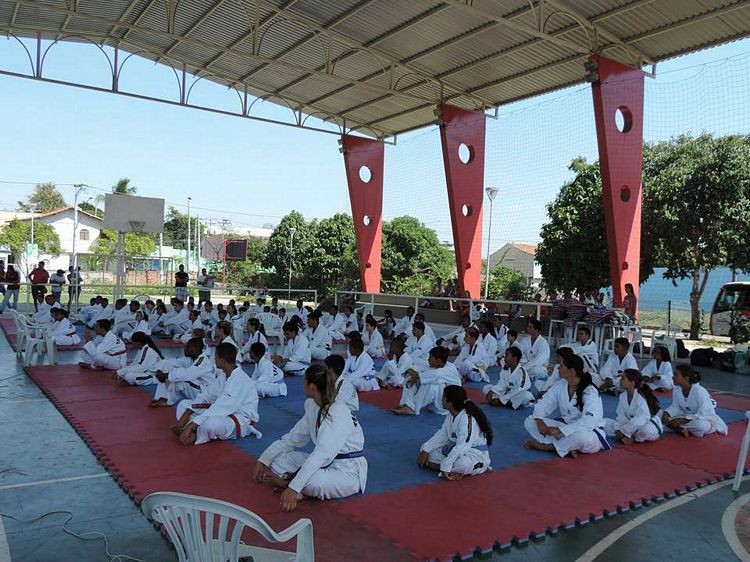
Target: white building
[
  {"x": 519, "y": 257},
  {"x": 89, "y": 228},
  {"x": 229, "y": 230}
]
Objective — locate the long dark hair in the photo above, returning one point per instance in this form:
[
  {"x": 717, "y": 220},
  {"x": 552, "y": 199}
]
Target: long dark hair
[
  {"x": 635, "y": 376},
  {"x": 576, "y": 363},
  {"x": 144, "y": 339},
  {"x": 318, "y": 375},
  {"x": 456, "y": 395},
  {"x": 257, "y": 325},
  {"x": 689, "y": 373},
  {"x": 665, "y": 357}
]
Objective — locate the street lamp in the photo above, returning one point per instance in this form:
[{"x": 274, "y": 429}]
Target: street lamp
[
  {"x": 187, "y": 261},
  {"x": 78, "y": 188},
  {"x": 292, "y": 230},
  {"x": 491, "y": 194}
]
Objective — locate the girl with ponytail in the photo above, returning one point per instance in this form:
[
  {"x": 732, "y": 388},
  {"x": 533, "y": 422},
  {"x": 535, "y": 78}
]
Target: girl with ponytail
[
  {"x": 637, "y": 411},
  {"x": 141, "y": 368},
  {"x": 336, "y": 468},
  {"x": 693, "y": 411},
  {"x": 459, "y": 447},
  {"x": 581, "y": 429}
]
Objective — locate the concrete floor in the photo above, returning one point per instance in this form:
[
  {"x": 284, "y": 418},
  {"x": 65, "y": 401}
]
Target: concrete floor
[{"x": 45, "y": 466}]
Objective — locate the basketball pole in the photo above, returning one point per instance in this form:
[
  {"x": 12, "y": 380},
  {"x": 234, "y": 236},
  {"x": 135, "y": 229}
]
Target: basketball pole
[{"x": 120, "y": 265}]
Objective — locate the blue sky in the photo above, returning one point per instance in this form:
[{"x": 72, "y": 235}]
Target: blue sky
[{"x": 231, "y": 165}]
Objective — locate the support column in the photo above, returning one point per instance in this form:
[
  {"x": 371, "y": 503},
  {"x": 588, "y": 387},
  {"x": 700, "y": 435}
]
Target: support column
[
  {"x": 618, "y": 111},
  {"x": 363, "y": 160},
  {"x": 462, "y": 139}
]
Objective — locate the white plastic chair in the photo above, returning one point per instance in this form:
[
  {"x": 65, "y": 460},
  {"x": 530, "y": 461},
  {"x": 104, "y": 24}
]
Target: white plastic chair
[
  {"x": 668, "y": 339},
  {"x": 22, "y": 332},
  {"x": 273, "y": 325},
  {"x": 209, "y": 530},
  {"x": 634, "y": 334},
  {"x": 35, "y": 343}
]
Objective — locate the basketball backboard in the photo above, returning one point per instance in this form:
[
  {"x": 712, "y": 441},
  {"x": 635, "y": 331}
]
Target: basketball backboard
[{"x": 129, "y": 213}]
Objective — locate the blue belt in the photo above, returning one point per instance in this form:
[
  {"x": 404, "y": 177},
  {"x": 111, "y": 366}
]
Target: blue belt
[
  {"x": 603, "y": 440},
  {"x": 351, "y": 455},
  {"x": 482, "y": 448}
]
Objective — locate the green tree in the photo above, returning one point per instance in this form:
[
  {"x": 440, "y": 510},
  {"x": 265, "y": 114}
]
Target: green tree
[
  {"x": 176, "y": 228},
  {"x": 43, "y": 199},
  {"x": 91, "y": 209},
  {"x": 412, "y": 257},
  {"x": 280, "y": 254},
  {"x": 332, "y": 261},
  {"x": 124, "y": 187},
  {"x": 136, "y": 245},
  {"x": 698, "y": 207},
  {"x": 573, "y": 250},
  {"x": 507, "y": 284},
  {"x": 17, "y": 233}
]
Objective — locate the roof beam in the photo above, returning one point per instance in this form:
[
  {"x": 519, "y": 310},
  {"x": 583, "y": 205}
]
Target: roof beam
[
  {"x": 368, "y": 46},
  {"x": 309, "y": 37},
  {"x": 14, "y": 16},
  {"x": 249, "y": 34},
  {"x": 256, "y": 90},
  {"x": 207, "y": 14},
  {"x": 467, "y": 6},
  {"x": 601, "y": 31},
  {"x": 632, "y": 39},
  {"x": 499, "y": 54},
  {"x": 121, "y": 21},
  {"x": 122, "y": 17},
  {"x": 292, "y": 68}
]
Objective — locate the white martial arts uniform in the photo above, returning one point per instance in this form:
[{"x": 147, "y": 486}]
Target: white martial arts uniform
[
  {"x": 104, "y": 313},
  {"x": 255, "y": 337},
  {"x": 403, "y": 326},
  {"x": 65, "y": 333},
  {"x": 106, "y": 351},
  {"x": 420, "y": 351},
  {"x": 490, "y": 344},
  {"x": 634, "y": 419},
  {"x": 338, "y": 326},
  {"x": 374, "y": 344},
  {"x": 141, "y": 326},
  {"x": 662, "y": 372},
  {"x": 326, "y": 319},
  {"x": 588, "y": 351},
  {"x": 43, "y": 314},
  {"x": 269, "y": 379},
  {"x": 501, "y": 335},
  {"x": 428, "y": 392},
  {"x": 699, "y": 408},
  {"x": 347, "y": 394},
  {"x": 177, "y": 323},
  {"x": 538, "y": 358},
  {"x": 187, "y": 381},
  {"x": 300, "y": 312},
  {"x": 123, "y": 320},
  {"x": 473, "y": 362},
  {"x": 187, "y": 335},
  {"x": 140, "y": 371},
  {"x": 582, "y": 431},
  {"x": 612, "y": 369},
  {"x": 320, "y": 342},
  {"x": 359, "y": 370},
  {"x": 393, "y": 371},
  {"x": 513, "y": 387},
  {"x": 231, "y": 415},
  {"x": 209, "y": 318},
  {"x": 154, "y": 321},
  {"x": 543, "y": 385},
  {"x": 352, "y": 324},
  {"x": 297, "y": 353},
  {"x": 454, "y": 339},
  {"x": 336, "y": 468},
  {"x": 459, "y": 446}
]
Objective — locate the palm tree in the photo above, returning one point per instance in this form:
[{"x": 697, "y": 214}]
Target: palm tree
[{"x": 123, "y": 186}]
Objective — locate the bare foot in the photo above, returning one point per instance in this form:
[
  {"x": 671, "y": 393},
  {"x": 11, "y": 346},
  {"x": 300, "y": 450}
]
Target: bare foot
[
  {"x": 684, "y": 432},
  {"x": 627, "y": 440},
  {"x": 274, "y": 481},
  {"x": 574, "y": 454},
  {"x": 537, "y": 446},
  {"x": 404, "y": 411},
  {"x": 84, "y": 365},
  {"x": 160, "y": 403}
]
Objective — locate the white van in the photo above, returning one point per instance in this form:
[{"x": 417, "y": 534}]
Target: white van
[{"x": 732, "y": 296}]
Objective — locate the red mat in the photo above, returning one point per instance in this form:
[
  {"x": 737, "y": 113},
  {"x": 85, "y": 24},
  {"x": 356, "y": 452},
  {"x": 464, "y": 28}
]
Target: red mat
[
  {"x": 134, "y": 443},
  {"x": 433, "y": 520},
  {"x": 9, "y": 329},
  {"x": 731, "y": 401}
]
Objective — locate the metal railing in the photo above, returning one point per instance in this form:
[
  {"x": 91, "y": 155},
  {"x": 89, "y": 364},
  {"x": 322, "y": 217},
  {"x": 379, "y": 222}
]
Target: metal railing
[
  {"x": 360, "y": 297},
  {"x": 164, "y": 292}
]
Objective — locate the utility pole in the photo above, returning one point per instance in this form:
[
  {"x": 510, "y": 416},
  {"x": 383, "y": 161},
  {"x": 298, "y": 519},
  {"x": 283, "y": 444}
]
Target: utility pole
[
  {"x": 187, "y": 262},
  {"x": 491, "y": 194}
]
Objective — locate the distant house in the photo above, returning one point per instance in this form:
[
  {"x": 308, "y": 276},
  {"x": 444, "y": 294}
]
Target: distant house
[
  {"x": 520, "y": 257},
  {"x": 87, "y": 233}
]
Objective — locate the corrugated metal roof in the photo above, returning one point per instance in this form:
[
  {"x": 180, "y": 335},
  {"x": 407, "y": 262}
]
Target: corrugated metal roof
[{"x": 382, "y": 65}]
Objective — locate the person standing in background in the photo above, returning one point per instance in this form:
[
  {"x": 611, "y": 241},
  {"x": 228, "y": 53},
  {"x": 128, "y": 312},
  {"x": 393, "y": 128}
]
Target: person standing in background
[
  {"x": 181, "y": 279},
  {"x": 39, "y": 278}
]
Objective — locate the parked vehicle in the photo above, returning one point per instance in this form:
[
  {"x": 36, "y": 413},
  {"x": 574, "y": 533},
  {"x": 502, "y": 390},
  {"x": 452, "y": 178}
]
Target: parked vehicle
[{"x": 733, "y": 300}]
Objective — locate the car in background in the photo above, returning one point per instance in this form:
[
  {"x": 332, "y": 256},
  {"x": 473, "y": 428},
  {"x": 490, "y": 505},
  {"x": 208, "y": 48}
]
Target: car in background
[{"x": 733, "y": 299}]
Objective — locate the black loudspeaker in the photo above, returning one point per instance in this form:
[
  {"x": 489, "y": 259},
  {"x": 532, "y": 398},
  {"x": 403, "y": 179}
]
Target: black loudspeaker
[{"x": 235, "y": 250}]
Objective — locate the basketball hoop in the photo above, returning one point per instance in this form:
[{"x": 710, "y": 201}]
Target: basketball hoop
[{"x": 137, "y": 226}]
